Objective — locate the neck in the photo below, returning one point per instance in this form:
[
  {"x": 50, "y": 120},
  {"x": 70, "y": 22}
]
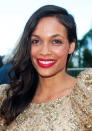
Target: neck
[
  {"x": 52, "y": 84},
  {"x": 54, "y": 87}
]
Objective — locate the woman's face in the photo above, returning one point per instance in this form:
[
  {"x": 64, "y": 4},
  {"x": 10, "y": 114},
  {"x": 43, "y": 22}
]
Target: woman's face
[{"x": 50, "y": 47}]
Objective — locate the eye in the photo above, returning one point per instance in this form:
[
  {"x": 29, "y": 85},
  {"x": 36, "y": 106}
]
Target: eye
[
  {"x": 35, "y": 41},
  {"x": 56, "y": 41}
]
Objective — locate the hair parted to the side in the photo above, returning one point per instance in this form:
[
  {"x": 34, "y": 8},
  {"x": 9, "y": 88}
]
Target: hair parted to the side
[{"x": 25, "y": 79}]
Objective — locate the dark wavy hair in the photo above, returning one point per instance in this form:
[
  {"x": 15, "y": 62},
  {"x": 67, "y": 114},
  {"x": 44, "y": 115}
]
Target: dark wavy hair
[{"x": 25, "y": 78}]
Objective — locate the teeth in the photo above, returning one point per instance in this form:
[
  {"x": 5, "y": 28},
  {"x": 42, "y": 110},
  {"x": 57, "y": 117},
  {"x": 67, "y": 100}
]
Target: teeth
[{"x": 46, "y": 62}]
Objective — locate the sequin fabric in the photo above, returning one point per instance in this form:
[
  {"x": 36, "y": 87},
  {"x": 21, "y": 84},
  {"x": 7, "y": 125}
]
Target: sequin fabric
[{"x": 69, "y": 113}]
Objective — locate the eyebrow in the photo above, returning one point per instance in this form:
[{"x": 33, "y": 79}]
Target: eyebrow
[
  {"x": 33, "y": 35},
  {"x": 58, "y": 35}
]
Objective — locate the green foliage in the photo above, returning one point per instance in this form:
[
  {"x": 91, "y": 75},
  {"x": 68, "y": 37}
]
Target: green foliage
[
  {"x": 1, "y": 63},
  {"x": 87, "y": 58},
  {"x": 84, "y": 59},
  {"x": 73, "y": 73},
  {"x": 70, "y": 64}
]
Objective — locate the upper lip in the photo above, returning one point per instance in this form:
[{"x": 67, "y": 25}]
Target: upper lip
[{"x": 46, "y": 59}]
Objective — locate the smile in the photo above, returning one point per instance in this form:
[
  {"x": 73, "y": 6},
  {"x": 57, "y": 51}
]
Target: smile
[{"x": 45, "y": 63}]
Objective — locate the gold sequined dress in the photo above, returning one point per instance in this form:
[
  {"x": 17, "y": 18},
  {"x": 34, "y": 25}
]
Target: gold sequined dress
[{"x": 69, "y": 113}]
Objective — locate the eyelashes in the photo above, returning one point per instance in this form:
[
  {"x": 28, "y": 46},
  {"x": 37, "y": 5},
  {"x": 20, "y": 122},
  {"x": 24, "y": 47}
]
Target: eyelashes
[
  {"x": 56, "y": 41},
  {"x": 35, "y": 41},
  {"x": 53, "y": 42}
]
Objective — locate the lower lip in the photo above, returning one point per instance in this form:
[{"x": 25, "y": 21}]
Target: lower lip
[{"x": 46, "y": 65}]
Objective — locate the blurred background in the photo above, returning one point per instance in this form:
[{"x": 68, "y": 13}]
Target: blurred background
[{"x": 14, "y": 15}]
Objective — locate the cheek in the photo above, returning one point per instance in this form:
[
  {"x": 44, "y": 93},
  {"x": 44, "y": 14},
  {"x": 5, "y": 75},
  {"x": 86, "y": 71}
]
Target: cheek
[
  {"x": 33, "y": 52},
  {"x": 61, "y": 52}
]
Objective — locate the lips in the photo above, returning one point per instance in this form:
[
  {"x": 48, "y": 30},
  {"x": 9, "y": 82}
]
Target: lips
[{"x": 46, "y": 63}]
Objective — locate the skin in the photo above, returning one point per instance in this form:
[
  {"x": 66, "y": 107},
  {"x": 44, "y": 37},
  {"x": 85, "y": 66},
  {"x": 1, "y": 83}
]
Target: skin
[{"x": 49, "y": 40}]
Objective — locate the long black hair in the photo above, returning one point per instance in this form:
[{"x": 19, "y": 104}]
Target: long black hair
[{"x": 25, "y": 79}]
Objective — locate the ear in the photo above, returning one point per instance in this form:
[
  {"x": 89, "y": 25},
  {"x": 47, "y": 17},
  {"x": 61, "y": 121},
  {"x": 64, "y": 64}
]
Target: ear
[{"x": 71, "y": 47}]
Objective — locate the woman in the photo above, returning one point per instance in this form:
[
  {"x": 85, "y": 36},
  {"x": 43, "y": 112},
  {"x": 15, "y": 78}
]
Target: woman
[{"x": 41, "y": 95}]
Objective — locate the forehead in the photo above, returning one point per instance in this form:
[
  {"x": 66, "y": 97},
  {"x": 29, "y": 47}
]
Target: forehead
[{"x": 50, "y": 25}]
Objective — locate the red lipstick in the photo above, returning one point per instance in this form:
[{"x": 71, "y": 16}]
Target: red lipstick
[{"x": 45, "y": 63}]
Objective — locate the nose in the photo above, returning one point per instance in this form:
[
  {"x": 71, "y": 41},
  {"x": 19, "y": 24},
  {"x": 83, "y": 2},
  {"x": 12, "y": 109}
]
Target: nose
[{"x": 45, "y": 49}]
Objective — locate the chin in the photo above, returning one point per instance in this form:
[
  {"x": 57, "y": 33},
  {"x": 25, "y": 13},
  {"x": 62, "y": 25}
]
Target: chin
[{"x": 47, "y": 75}]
